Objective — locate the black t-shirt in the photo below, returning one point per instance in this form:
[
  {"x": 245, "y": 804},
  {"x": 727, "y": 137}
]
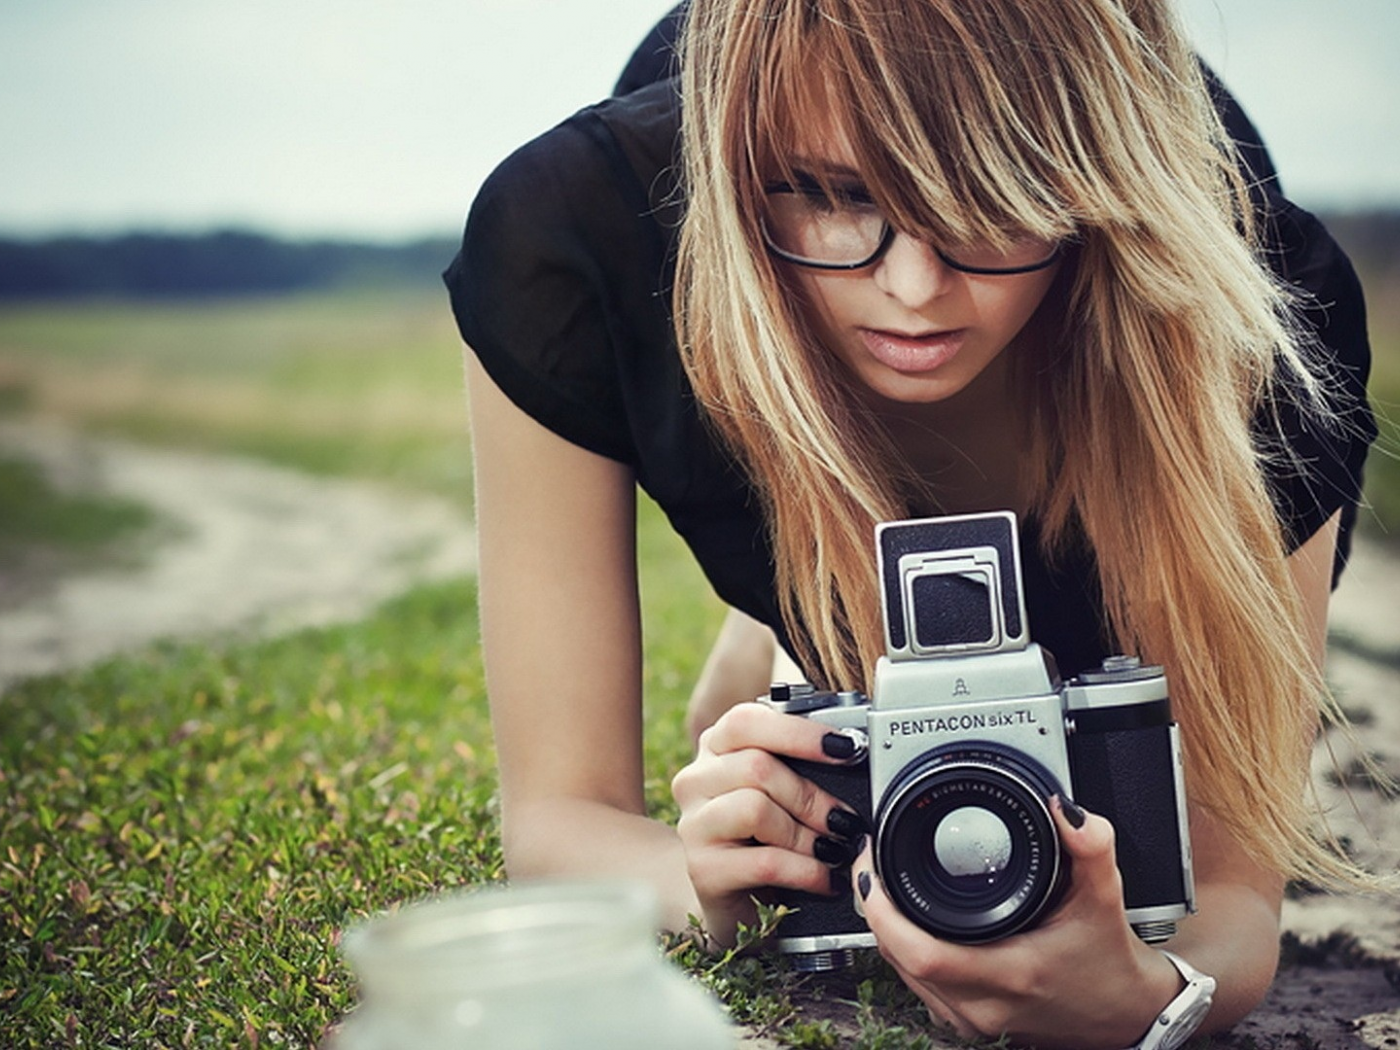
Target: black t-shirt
[{"x": 562, "y": 289}]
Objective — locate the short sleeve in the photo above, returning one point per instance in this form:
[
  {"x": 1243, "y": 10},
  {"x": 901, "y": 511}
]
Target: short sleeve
[
  {"x": 1315, "y": 458},
  {"x": 531, "y": 291}
]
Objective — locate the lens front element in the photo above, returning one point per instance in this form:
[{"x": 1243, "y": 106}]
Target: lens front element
[
  {"x": 965, "y": 844},
  {"x": 972, "y": 843}
]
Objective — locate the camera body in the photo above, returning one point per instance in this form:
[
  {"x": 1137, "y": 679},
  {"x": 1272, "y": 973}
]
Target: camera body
[{"x": 971, "y": 733}]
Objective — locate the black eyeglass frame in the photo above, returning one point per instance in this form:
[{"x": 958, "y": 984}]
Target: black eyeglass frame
[{"x": 886, "y": 239}]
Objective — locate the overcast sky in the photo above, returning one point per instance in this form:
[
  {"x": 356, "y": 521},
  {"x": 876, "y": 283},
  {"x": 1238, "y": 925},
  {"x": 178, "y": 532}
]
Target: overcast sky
[{"x": 367, "y": 118}]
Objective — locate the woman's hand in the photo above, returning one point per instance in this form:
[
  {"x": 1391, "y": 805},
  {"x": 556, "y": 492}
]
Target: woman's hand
[
  {"x": 749, "y": 821},
  {"x": 1081, "y": 978}
]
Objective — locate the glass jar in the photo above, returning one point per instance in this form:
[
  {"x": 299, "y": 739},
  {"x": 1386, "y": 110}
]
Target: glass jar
[{"x": 540, "y": 966}]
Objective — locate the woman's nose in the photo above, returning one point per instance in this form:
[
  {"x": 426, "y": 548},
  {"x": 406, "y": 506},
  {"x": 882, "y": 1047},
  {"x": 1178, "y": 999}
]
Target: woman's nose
[{"x": 912, "y": 272}]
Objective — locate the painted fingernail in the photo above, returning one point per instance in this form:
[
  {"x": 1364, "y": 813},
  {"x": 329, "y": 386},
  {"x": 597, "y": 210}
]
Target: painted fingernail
[
  {"x": 845, "y": 823},
  {"x": 863, "y": 882},
  {"x": 1072, "y": 812},
  {"x": 832, "y": 851},
  {"x": 846, "y": 745}
]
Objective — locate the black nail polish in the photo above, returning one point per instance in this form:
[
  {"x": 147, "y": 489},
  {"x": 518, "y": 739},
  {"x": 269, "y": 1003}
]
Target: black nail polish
[
  {"x": 845, "y": 823},
  {"x": 863, "y": 885},
  {"x": 832, "y": 851},
  {"x": 838, "y": 745},
  {"x": 846, "y": 745},
  {"x": 1072, "y": 813}
]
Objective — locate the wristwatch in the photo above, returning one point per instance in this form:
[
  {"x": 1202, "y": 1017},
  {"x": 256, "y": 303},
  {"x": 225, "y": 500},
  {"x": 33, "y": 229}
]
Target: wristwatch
[{"x": 1184, "y": 1014}]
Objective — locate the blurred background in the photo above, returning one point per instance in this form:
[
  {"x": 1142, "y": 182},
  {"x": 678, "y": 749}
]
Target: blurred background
[{"x": 230, "y": 385}]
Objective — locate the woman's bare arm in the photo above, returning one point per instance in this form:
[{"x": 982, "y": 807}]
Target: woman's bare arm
[{"x": 561, "y": 636}]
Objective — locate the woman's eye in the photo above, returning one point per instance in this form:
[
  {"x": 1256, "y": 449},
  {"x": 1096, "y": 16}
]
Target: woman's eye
[{"x": 839, "y": 200}]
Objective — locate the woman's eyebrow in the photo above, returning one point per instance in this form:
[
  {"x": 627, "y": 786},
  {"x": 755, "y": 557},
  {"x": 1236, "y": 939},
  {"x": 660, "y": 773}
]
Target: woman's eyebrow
[{"x": 819, "y": 166}]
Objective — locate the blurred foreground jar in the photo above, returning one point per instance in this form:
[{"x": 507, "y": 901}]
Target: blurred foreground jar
[{"x": 540, "y": 966}]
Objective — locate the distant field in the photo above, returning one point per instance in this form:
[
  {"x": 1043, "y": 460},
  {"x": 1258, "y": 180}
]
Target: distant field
[
  {"x": 363, "y": 384},
  {"x": 1383, "y": 467}
]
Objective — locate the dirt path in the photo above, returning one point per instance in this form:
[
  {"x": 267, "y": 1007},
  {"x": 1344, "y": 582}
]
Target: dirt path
[
  {"x": 266, "y": 549},
  {"x": 251, "y": 547}
]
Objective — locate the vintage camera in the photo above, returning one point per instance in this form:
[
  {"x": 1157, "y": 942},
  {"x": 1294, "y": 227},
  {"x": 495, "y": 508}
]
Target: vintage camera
[{"x": 971, "y": 732}]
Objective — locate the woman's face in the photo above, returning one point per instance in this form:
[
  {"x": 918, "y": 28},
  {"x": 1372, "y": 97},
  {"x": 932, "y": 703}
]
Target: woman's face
[{"x": 909, "y": 326}]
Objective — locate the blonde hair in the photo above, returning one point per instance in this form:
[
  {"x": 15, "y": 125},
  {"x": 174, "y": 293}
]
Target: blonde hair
[{"x": 1054, "y": 117}]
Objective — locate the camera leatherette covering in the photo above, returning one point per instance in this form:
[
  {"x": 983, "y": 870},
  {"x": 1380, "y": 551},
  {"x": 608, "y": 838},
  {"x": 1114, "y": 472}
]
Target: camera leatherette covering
[
  {"x": 817, "y": 915},
  {"x": 1125, "y": 775}
]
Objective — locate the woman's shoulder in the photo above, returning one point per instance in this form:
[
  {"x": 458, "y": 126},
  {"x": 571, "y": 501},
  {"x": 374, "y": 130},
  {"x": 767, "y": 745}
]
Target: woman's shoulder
[
  {"x": 558, "y": 283},
  {"x": 584, "y": 207},
  {"x": 616, "y": 154},
  {"x": 1317, "y": 449}
]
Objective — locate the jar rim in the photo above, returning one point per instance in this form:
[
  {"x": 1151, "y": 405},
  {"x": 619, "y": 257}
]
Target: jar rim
[{"x": 495, "y": 936}]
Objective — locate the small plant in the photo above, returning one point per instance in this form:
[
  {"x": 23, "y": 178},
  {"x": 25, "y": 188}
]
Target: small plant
[{"x": 754, "y": 987}]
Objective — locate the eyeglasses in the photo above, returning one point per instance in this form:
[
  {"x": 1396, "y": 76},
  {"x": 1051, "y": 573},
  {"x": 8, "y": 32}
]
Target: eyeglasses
[{"x": 836, "y": 228}]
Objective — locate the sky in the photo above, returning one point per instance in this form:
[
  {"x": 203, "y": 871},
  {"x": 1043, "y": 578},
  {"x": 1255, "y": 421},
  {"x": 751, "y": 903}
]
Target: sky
[{"x": 378, "y": 120}]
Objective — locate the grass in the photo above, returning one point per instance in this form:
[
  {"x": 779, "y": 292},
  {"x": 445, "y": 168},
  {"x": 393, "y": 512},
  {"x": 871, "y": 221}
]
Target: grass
[
  {"x": 38, "y": 514},
  {"x": 184, "y": 830}
]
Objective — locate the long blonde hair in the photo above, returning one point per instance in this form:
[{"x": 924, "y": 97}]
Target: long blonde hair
[{"x": 1056, "y": 117}]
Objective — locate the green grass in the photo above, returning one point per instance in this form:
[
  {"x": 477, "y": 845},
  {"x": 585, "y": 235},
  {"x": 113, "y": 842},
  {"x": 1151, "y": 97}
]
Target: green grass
[
  {"x": 46, "y": 532},
  {"x": 37, "y": 513},
  {"x": 186, "y": 829}
]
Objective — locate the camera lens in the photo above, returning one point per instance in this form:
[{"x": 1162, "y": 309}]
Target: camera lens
[{"x": 965, "y": 844}]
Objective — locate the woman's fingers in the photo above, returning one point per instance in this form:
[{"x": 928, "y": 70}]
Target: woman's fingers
[
  {"x": 755, "y": 725},
  {"x": 749, "y": 820},
  {"x": 909, "y": 948},
  {"x": 1095, "y": 895},
  {"x": 1088, "y": 839},
  {"x": 711, "y": 776},
  {"x": 746, "y": 815},
  {"x": 736, "y": 869}
]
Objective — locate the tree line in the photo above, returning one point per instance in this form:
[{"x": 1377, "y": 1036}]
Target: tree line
[
  {"x": 1371, "y": 238},
  {"x": 238, "y": 262},
  {"x": 224, "y": 262}
]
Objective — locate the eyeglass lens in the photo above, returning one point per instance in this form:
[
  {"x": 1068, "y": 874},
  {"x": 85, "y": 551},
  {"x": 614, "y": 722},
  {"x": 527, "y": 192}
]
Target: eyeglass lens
[{"x": 846, "y": 229}]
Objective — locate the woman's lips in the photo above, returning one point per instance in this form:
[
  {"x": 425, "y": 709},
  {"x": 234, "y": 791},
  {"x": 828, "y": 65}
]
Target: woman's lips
[{"x": 912, "y": 354}]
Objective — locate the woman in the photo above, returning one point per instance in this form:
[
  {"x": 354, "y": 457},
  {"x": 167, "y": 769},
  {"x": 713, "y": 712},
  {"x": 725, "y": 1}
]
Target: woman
[{"x": 932, "y": 257}]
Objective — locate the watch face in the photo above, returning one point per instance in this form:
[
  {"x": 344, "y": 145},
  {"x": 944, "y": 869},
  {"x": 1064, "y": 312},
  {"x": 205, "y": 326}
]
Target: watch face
[{"x": 1185, "y": 1023}]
